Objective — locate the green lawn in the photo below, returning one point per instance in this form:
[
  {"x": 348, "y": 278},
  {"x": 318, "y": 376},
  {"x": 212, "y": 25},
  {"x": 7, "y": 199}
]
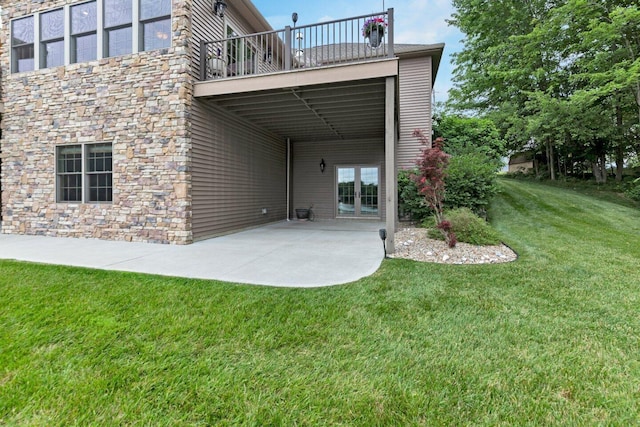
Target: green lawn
[{"x": 552, "y": 339}]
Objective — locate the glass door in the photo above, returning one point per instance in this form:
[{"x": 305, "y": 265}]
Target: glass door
[{"x": 358, "y": 189}]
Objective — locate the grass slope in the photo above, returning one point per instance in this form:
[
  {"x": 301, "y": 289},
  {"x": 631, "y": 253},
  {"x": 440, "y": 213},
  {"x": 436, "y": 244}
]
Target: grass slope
[{"x": 549, "y": 340}]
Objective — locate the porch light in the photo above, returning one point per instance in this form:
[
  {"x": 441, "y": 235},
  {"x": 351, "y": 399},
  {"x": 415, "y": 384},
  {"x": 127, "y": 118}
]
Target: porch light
[
  {"x": 219, "y": 6},
  {"x": 322, "y": 165}
]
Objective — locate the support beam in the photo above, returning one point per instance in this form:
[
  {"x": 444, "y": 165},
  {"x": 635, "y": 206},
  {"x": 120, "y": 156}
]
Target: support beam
[{"x": 391, "y": 176}]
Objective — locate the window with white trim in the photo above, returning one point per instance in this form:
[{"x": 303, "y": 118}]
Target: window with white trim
[
  {"x": 84, "y": 32},
  {"x": 89, "y": 30},
  {"x": 155, "y": 24},
  {"x": 84, "y": 173},
  {"x": 22, "y": 47},
  {"x": 241, "y": 55},
  {"x": 118, "y": 28},
  {"x": 52, "y": 38}
]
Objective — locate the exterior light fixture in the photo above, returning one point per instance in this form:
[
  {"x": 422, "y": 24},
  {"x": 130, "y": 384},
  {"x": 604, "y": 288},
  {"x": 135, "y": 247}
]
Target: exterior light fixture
[
  {"x": 383, "y": 236},
  {"x": 322, "y": 165},
  {"x": 219, "y": 6}
]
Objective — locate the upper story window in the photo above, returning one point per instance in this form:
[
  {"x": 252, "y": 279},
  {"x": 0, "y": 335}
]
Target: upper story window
[
  {"x": 22, "y": 47},
  {"x": 89, "y": 30},
  {"x": 52, "y": 38},
  {"x": 118, "y": 28},
  {"x": 84, "y": 32},
  {"x": 155, "y": 24}
]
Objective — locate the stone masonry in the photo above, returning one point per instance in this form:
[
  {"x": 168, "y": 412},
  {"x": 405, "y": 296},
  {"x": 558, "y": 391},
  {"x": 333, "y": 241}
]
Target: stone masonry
[{"x": 139, "y": 102}]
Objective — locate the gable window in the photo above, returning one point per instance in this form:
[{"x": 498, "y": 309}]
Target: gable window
[
  {"x": 84, "y": 38},
  {"x": 118, "y": 31},
  {"x": 84, "y": 173},
  {"x": 155, "y": 24},
  {"x": 22, "y": 38},
  {"x": 52, "y": 38}
]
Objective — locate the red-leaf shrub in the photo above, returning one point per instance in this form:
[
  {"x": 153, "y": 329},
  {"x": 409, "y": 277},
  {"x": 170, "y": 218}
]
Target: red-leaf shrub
[{"x": 432, "y": 166}]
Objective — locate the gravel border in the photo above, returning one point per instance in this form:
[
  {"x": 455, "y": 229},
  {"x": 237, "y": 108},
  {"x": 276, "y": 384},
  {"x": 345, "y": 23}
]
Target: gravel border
[{"x": 414, "y": 244}]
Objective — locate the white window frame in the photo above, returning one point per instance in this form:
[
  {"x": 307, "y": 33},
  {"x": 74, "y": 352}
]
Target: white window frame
[
  {"x": 137, "y": 44},
  {"x": 71, "y": 52},
  {"x": 243, "y": 46}
]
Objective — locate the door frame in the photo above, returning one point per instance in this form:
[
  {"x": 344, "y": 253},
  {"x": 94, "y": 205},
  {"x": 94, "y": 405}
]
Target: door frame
[{"x": 358, "y": 183}]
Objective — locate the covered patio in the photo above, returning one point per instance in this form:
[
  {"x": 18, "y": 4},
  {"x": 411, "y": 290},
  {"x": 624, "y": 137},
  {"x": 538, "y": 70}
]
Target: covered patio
[{"x": 333, "y": 120}]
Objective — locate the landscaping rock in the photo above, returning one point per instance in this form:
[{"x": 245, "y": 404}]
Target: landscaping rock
[{"x": 414, "y": 244}]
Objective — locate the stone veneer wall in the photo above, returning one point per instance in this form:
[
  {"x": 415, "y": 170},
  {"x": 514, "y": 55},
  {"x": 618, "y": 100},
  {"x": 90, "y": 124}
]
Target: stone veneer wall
[{"x": 139, "y": 102}]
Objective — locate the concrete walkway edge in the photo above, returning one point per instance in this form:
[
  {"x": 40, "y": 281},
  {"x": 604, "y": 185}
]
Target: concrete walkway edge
[{"x": 283, "y": 254}]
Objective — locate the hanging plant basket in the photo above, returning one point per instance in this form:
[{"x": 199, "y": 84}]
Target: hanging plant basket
[
  {"x": 375, "y": 37},
  {"x": 373, "y": 30}
]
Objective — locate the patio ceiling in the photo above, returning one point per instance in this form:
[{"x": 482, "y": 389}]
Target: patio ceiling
[{"x": 343, "y": 110}]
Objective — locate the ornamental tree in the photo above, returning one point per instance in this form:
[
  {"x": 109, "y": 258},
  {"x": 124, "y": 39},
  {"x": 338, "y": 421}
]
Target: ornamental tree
[{"x": 432, "y": 165}]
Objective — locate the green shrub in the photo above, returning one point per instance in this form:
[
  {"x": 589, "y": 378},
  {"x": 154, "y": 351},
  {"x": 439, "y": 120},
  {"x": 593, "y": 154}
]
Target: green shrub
[
  {"x": 411, "y": 203},
  {"x": 468, "y": 228},
  {"x": 470, "y": 182},
  {"x": 633, "y": 191}
]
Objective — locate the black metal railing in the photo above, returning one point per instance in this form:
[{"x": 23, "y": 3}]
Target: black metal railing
[{"x": 310, "y": 46}]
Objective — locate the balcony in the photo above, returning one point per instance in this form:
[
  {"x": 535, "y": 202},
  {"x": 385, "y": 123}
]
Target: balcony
[{"x": 296, "y": 48}]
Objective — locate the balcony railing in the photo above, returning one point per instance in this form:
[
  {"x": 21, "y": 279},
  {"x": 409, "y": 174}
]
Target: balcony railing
[{"x": 310, "y": 46}]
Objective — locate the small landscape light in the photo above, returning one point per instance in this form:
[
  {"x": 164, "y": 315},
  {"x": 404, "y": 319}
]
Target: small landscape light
[{"x": 383, "y": 236}]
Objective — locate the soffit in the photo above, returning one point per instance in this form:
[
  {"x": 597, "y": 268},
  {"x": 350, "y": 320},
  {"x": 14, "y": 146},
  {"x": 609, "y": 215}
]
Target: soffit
[{"x": 346, "y": 110}]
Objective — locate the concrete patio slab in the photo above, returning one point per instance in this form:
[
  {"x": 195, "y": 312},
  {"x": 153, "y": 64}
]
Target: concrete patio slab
[{"x": 286, "y": 254}]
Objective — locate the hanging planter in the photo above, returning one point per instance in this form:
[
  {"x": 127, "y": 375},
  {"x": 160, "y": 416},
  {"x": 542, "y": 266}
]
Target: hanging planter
[{"x": 373, "y": 29}]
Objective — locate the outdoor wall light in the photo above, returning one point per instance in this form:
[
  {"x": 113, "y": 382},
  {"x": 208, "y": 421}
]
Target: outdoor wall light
[
  {"x": 219, "y": 6},
  {"x": 322, "y": 165}
]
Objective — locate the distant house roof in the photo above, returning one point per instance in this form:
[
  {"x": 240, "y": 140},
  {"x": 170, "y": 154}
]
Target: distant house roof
[{"x": 519, "y": 158}]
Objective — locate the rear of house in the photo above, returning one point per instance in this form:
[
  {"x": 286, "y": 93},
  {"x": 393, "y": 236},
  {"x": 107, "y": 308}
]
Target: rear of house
[{"x": 161, "y": 121}]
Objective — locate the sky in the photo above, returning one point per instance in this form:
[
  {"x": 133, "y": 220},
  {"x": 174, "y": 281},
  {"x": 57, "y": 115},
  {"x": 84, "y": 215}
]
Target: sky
[{"x": 416, "y": 21}]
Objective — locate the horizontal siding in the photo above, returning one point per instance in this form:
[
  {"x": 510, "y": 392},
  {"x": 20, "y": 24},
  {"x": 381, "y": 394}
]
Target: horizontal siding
[
  {"x": 311, "y": 187},
  {"x": 237, "y": 170},
  {"x": 415, "y": 107},
  {"x": 204, "y": 26}
]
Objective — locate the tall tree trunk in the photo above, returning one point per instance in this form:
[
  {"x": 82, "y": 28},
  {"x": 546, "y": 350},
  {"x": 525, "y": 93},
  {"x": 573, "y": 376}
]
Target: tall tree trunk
[
  {"x": 619, "y": 145},
  {"x": 551, "y": 160},
  {"x": 619, "y": 163},
  {"x": 598, "y": 166}
]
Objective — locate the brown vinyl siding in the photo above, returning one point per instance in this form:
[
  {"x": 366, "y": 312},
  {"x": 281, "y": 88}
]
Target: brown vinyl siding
[
  {"x": 415, "y": 107},
  {"x": 311, "y": 187},
  {"x": 237, "y": 170},
  {"x": 204, "y": 27},
  {"x": 207, "y": 27}
]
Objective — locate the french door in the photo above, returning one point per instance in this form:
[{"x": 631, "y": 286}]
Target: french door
[{"x": 358, "y": 188}]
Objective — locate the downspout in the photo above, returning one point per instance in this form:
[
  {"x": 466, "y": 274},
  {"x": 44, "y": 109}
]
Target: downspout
[{"x": 288, "y": 179}]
